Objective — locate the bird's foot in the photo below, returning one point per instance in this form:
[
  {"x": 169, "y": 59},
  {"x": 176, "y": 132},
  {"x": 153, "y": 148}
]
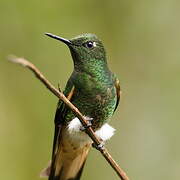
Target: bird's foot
[
  {"x": 89, "y": 124},
  {"x": 99, "y": 147}
]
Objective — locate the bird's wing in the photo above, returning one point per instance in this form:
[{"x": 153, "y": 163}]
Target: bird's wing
[
  {"x": 59, "y": 116},
  {"x": 59, "y": 120},
  {"x": 118, "y": 91}
]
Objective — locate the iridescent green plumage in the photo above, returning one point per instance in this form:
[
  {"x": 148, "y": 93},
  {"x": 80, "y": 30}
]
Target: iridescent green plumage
[
  {"x": 95, "y": 92},
  {"x": 92, "y": 88}
]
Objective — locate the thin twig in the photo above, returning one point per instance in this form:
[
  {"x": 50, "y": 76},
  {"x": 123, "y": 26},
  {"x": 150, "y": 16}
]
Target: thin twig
[{"x": 61, "y": 96}]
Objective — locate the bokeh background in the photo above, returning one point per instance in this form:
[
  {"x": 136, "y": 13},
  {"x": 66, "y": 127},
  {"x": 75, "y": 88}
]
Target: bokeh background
[{"x": 142, "y": 39}]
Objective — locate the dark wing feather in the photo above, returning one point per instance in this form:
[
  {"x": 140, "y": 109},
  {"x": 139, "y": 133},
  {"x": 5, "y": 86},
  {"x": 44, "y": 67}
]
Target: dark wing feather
[
  {"x": 118, "y": 92},
  {"x": 59, "y": 120}
]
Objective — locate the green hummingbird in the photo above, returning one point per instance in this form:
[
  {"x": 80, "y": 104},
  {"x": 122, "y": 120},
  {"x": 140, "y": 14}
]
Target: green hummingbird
[{"x": 95, "y": 91}]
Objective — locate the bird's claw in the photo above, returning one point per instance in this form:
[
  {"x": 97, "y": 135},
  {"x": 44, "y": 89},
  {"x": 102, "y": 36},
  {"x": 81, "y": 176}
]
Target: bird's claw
[
  {"x": 83, "y": 128},
  {"x": 99, "y": 147},
  {"x": 89, "y": 124}
]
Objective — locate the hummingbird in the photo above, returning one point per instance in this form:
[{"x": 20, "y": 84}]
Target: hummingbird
[{"x": 95, "y": 91}]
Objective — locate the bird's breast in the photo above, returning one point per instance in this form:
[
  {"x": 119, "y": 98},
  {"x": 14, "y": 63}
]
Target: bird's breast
[
  {"x": 97, "y": 104},
  {"x": 94, "y": 96}
]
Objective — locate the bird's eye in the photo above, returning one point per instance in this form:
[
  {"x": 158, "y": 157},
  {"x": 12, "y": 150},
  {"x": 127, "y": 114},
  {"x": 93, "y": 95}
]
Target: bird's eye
[{"x": 89, "y": 44}]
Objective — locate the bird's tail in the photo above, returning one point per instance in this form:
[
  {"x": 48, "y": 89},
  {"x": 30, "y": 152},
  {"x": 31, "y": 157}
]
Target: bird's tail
[{"x": 68, "y": 164}]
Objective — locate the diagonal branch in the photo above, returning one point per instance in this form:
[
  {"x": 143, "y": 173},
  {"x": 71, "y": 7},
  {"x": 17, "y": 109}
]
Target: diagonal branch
[{"x": 61, "y": 96}]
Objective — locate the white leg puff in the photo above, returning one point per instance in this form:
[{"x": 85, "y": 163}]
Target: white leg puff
[
  {"x": 105, "y": 132},
  {"x": 74, "y": 126}
]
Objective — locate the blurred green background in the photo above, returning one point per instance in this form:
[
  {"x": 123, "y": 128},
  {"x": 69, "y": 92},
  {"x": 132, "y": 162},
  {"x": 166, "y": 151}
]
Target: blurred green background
[{"x": 142, "y": 39}]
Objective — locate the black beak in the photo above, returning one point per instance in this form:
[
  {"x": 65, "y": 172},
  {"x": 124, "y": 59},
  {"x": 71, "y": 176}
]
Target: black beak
[{"x": 66, "y": 41}]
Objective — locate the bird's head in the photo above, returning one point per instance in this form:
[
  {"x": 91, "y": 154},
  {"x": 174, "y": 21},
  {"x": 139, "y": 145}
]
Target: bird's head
[{"x": 85, "y": 49}]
